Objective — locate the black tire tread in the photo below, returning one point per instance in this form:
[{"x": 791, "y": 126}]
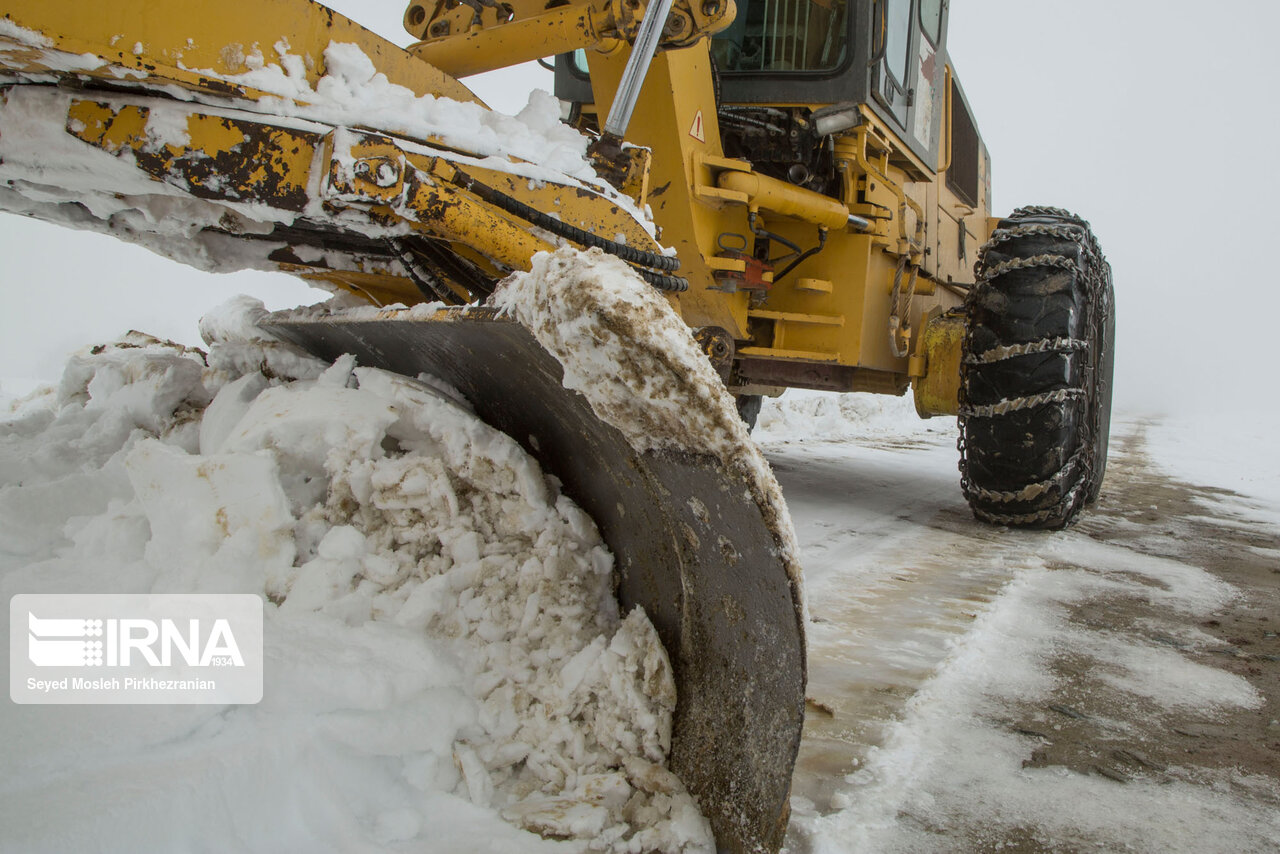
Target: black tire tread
[{"x": 1040, "y": 278}]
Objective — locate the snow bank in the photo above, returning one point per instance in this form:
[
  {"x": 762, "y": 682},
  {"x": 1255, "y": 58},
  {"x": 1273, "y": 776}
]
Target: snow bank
[
  {"x": 801, "y": 415},
  {"x": 1221, "y": 449},
  {"x": 445, "y": 667},
  {"x": 625, "y": 349}
]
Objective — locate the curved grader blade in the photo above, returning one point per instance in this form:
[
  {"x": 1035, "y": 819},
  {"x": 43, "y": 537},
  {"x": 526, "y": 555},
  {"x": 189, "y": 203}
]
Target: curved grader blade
[{"x": 691, "y": 546}]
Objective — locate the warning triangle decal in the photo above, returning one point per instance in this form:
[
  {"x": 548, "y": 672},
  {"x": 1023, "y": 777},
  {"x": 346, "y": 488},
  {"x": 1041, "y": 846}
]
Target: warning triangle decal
[{"x": 696, "y": 130}]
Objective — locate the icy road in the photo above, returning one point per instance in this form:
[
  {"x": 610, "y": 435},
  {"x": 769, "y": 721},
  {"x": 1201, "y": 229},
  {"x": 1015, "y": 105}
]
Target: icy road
[{"x": 1113, "y": 687}]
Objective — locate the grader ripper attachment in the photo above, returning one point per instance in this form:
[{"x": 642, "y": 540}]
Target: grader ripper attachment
[{"x": 821, "y": 199}]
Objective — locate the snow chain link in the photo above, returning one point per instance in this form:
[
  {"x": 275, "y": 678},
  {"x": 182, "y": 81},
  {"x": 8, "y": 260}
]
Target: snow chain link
[
  {"x": 1044, "y": 345},
  {"x": 1004, "y": 407},
  {"x": 1003, "y": 235},
  {"x": 1031, "y": 490},
  {"x": 1018, "y": 519},
  {"x": 1074, "y": 229},
  {"x": 1060, "y": 261}
]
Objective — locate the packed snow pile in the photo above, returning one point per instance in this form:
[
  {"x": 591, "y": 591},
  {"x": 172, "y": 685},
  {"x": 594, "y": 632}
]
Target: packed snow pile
[
  {"x": 625, "y": 349},
  {"x": 352, "y": 93},
  {"x": 445, "y": 659},
  {"x": 801, "y": 415}
]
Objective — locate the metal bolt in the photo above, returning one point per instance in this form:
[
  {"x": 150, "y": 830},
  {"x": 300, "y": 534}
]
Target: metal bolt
[
  {"x": 379, "y": 172},
  {"x": 387, "y": 175}
]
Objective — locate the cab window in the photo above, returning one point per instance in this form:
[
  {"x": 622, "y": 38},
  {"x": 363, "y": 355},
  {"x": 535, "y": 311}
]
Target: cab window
[
  {"x": 784, "y": 35},
  {"x": 897, "y": 37},
  {"x": 931, "y": 19}
]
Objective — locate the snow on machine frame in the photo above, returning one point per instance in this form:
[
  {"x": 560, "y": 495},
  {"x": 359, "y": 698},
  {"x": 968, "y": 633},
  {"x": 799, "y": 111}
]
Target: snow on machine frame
[{"x": 820, "y": 203}]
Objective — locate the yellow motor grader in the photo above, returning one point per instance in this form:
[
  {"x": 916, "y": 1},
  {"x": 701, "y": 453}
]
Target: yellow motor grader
[{"x": 803, "y": 179}]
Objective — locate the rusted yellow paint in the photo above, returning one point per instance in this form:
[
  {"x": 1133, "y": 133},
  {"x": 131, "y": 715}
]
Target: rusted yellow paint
[
  {"x": 450, "y": 213},
  {"x": 937, "y": 359},
  {"x": 111, "y": 130},
  {"x": 242, "y": 160},
  {"x": 363, "y": 167},
  {"x": 555, "y": 30},
  {"x": 233, "y": 159},
  {"x": 571, "y": 205},
  {"x": 197, "y": 44}
]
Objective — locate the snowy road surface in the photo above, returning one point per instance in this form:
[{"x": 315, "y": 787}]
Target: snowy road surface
[{"x": 1112, "y": 687}]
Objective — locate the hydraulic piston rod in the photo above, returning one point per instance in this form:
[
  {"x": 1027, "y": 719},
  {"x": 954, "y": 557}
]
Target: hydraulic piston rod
[{"x": 655, "y": 18}]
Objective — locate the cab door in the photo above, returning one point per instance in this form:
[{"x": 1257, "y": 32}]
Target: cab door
[
  {"x": 907, "y": 70},
  {"x": 892, "y": 36}
]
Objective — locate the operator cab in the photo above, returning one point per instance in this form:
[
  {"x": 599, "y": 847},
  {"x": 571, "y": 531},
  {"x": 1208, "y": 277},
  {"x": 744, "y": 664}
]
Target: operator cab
[{"x": 781, "y": 61}]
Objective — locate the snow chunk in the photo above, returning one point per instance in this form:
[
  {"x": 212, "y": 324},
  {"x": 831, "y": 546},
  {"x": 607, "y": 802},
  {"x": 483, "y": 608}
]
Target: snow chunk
[
  {"x": 801, "y": 415},
  {"x": 243, "y": 347},
  {"x": 21, "y": 35},
  {"x": 352, "y": 93},
  {"x": 624, "y": 348},
  {"x": 217, "y": 522}
]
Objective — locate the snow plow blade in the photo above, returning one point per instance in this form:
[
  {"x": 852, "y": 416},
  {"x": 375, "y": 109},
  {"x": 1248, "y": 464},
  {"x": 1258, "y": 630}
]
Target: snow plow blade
[{"x": 692, "y": 547}]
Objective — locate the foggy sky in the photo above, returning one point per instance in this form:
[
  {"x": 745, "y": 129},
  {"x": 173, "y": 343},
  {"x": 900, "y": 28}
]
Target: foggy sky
[{"x": 1156, "y": 121}]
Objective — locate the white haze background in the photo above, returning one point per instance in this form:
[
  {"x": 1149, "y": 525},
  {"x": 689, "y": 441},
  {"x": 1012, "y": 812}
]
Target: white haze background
[{"x": 1157, "y": 122}]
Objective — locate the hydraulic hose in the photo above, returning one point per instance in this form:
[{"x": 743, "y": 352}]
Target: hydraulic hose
[{"x": 497, "y": 198}]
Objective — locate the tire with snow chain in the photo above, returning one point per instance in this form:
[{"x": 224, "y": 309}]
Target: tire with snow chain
[
  {"x": 749, "y": 409},
  {"x": 1035, "y": 399}
]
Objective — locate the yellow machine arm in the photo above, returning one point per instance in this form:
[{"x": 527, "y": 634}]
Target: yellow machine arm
[
  {"x": 465, "y": 38},
  {"x": 260, "y": 155}
]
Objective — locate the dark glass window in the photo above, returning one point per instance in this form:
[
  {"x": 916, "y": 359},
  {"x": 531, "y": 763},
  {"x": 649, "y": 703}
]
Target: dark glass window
[
  {"x": 931, "y": 19},
  {"x": 897, "y": 38},
  {"x": 784, "y": 35},
  {"x": 962, "y": 177}
]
